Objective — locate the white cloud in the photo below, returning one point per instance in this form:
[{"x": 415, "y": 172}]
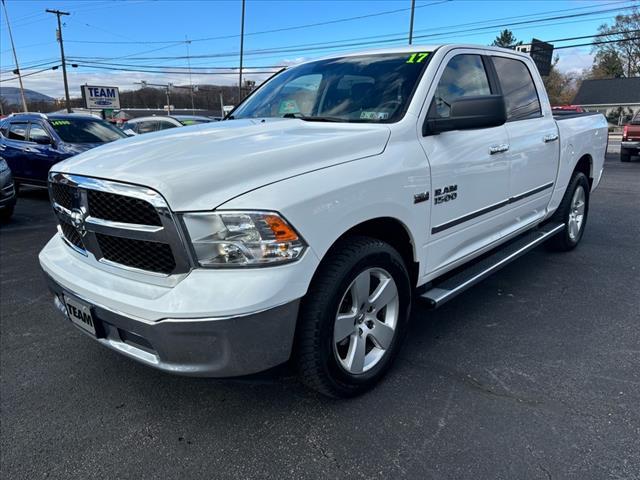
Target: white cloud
[
  {"x": 50, "y": 83},
  {"x": 574, "y": 60}
]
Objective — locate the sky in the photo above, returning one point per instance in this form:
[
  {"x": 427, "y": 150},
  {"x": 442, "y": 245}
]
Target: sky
[{"x": 143, "y": 34}]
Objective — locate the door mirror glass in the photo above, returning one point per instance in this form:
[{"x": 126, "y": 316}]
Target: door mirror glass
[{"x": 467, "y": 113}]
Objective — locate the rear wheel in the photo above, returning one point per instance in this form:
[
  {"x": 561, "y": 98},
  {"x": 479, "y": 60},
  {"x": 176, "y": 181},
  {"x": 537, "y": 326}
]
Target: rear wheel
[
  {"x": 573, "y": 212},
  {"x": 353, "y": 318},
  {"x": 6, "y": 213},
  {"x": 625, "y": 156}
]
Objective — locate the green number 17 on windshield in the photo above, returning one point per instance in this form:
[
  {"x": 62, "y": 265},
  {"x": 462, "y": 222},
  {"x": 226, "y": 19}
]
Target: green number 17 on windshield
[{"x": 418, "y": 57}]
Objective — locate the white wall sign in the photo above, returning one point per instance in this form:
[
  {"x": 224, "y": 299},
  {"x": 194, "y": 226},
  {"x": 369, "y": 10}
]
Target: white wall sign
[{"x": 101, "y": 98}]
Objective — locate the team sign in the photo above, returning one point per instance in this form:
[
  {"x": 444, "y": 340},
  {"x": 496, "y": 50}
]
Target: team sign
[{"x": 100, "y": 98}]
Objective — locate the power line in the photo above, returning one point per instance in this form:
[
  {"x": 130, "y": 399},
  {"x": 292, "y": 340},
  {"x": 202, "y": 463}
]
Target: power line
[
  {"x": 31, "y": 73},
  {"x": 169, "y": 72},
  {"x": 276, "y": 30},
  {"x": 597, "y": 43},
  {"x": 337, "y": 44}
]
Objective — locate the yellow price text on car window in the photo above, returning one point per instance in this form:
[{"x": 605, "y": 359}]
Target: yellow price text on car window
[{"x": 418, "y": 57}]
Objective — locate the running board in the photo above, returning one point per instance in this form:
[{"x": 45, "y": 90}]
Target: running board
[{"x": 453, "y": 286}]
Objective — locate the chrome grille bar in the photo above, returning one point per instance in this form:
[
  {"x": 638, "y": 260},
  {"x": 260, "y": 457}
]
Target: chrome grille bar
[{"x": 92, "y": 229}]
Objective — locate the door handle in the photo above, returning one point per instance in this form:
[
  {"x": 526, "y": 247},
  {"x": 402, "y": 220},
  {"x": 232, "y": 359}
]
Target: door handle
[
  {"x": 2, "y": 148},
  {"x": 550, "y": 138},
  {"x": 493, "y": 149}
]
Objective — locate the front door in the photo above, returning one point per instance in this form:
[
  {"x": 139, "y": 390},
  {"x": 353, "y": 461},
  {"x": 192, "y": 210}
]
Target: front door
[
  {"x": 469, "y": 168},
  {"x": 43, "y": 153}
]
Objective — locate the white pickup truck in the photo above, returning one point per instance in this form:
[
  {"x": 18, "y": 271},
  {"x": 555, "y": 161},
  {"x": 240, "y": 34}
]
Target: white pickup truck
[{"x": 303, "y": 226}]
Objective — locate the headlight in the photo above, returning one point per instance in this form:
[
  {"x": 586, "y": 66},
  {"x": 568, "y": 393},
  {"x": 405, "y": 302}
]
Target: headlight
[
  {"x": 3, "y": 165},
  {"x": 242, "y": 238}
]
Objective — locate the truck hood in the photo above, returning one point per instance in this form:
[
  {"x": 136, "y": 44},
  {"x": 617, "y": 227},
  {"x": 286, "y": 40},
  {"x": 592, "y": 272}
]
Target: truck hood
[{"x": 203, "y": 166}]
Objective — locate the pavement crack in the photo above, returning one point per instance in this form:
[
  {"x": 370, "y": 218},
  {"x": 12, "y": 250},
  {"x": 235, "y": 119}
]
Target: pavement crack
[
  {"x": 540, "y": 466},
  {"x": 472, "y": 382}
]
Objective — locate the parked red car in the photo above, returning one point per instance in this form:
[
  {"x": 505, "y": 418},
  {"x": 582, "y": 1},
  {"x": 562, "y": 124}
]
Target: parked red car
[
  {"x": 568, "y": 108},
  {"x": 630, "y": 139}
]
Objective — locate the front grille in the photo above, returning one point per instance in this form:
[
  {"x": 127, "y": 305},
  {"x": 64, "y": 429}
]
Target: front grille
[
  {"x": 72, "y": 234},
  {"x": 119, "y": 208},
  {"x": 152, "y": 256},
  {"x": 85, "y": 201},
  {"x": 63, "y": 194}
]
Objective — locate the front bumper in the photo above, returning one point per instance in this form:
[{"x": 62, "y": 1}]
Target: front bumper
[
  {"x": 7, "y": 190},
  {"x": 206, "y": 347}
]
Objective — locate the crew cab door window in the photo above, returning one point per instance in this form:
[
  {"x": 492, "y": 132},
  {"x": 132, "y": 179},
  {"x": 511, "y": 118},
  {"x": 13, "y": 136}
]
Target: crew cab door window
[
  {"x": 519, "y": 91},
  {"x": 465, "y": 76}
]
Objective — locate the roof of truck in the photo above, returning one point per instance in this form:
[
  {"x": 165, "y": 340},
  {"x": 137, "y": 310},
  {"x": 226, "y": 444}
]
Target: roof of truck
[{"x": 415, "y": 48}]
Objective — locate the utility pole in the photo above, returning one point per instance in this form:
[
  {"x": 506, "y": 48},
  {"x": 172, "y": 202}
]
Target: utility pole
[
  {"x": 15, "y": 58},
  {"x": 193, "y": 108},
  {"x": 58, "y": 13},
  {"x": 413, "y": 11},
  {"x": 241, "y": 53},
  {"x": 167, "y": 90}
]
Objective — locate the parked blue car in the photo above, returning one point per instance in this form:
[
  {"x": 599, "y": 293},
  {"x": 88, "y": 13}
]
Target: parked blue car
[{"x": 32, "y": 143}]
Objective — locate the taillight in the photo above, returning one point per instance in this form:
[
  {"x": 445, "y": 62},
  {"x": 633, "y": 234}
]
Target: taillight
[{"x": 625, "y": 132}]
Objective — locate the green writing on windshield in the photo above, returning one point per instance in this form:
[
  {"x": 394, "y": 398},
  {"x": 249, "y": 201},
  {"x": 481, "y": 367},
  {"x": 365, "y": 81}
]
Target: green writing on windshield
[
  {"x": 418, "y": 57},
  {"x": 57, "y": 123}
]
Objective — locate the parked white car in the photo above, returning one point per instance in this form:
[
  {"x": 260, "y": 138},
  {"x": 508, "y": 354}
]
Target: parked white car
[
  {"x": 154, "y": 123},
  {"x": 302, "y": 227}
]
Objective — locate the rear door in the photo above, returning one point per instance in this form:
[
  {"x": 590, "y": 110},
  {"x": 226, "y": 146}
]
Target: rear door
[
  {"x": 534, "y": 146},
  {"x": 15, "y": 149},
  {"x": 469, "y": 171}
]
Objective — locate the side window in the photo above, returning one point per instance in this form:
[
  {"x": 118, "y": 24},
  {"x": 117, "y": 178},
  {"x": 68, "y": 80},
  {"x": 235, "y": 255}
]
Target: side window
[
  {"x": 518, "y": 89},
  {"x": 464, "y": 76},
  {"x": 163, "y": 125},
  {"x": 146, "y": 126},
  {"x": 17, "y": 131},
  {"x": 130, "y": 126},
  {"x": 38, "y": 134},
  {"x": 4, "y": 128}
]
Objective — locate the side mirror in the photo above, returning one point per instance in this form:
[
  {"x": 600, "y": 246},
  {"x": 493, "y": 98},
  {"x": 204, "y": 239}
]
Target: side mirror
[
  {"x": 43, "y": 141},
  {"x": 468, "y": 113}
]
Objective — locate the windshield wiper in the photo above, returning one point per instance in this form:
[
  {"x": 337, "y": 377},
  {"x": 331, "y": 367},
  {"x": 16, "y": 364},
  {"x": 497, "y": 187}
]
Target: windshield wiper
[{"x": 300, "y": 116}]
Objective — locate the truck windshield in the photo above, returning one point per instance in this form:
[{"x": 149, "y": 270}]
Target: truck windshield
[
  {"x": 370, "y": 88},
  {"x": 85, "y": 130}
]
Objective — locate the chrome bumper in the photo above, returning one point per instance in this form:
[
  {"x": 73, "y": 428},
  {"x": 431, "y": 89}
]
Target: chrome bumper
[
  {"x": 205, "y": 347},
  {"x": 630, "y": 144}
]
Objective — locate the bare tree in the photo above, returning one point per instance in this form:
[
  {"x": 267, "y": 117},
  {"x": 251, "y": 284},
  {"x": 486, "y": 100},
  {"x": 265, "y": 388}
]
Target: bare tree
[{"x": 626, "y": 42}]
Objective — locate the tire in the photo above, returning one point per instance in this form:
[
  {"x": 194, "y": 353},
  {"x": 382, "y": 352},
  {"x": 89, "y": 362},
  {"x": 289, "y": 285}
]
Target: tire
[
  {"x": 625, "y": 156},
  {"x": 6, "y": 213},
  {"x": 572, "y": 214},
  {"x": 332, "y": 367}
]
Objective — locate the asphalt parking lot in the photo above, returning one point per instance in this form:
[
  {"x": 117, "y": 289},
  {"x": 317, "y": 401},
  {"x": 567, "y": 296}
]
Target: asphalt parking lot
[{"x": 534, "y": 373}]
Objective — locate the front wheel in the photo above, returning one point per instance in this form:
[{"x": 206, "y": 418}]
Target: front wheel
[
  {"x": 353, "y": 318},
  {"x": 573, "y": 212}
]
